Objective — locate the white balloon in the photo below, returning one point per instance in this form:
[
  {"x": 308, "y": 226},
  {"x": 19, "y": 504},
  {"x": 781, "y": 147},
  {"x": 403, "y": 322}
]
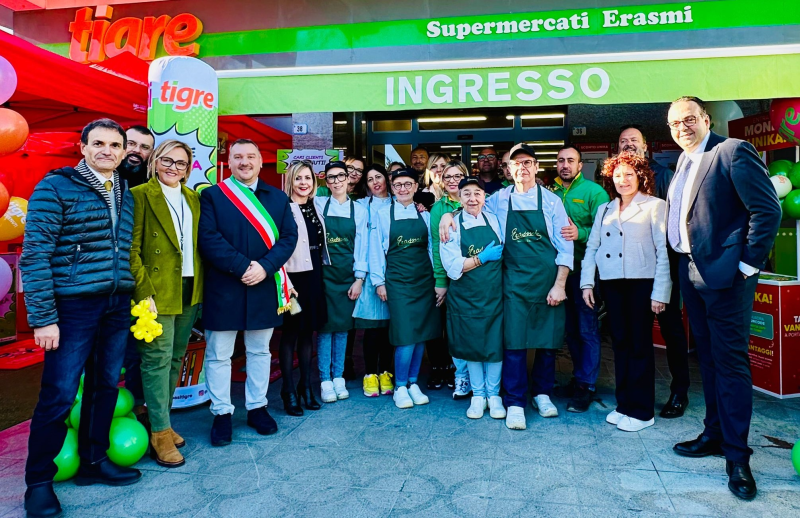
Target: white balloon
[
  {"x": 782, "y": 185},
  {"x": 721, "y": 112}
]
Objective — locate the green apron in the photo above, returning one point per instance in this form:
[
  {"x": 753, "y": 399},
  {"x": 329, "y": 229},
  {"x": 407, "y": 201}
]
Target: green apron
[
  {"x": 475, "y": 302},
  {"x": 529, "y": 273},
  {"x": 339, "y": 276},
  {"x": 410, "y": 292}
]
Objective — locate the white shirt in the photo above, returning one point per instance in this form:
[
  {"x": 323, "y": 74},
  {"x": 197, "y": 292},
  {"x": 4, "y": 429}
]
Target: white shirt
[
  {"x": 555, "y": 216},
  {"x": 379, "y": 238},
  {"x": 102, "y": 179},
  {"x": 181, "y": 217},
  {"x": 696, "y": 157},
  {"x": 450, "y": 252}
]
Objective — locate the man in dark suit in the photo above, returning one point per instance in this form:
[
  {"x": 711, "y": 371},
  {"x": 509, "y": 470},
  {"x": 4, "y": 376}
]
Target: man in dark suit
[
  {"x": 722, "y": 218},
  {"x": 246, "y": 233},
  {"x": 670, "y": 321}
]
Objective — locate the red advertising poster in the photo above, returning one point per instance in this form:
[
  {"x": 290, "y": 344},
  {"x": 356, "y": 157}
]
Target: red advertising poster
[
  {"x": 790, "y": 340},
  {"x": 759, "y": 131}
]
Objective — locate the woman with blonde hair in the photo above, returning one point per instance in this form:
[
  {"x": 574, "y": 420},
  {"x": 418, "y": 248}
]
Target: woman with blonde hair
[
  {"x": 169, "y": 274},
  {"x": 304, "y": 269}
]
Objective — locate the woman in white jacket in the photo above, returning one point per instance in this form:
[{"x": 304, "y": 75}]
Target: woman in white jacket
[{"x": 628, "y": 246}]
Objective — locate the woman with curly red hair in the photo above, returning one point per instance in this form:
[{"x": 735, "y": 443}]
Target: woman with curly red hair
[{"x": 628, "y": 245}]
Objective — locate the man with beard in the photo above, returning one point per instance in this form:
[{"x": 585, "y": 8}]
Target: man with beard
[
  {"x": 140, "y": 146},
  {"x": 581, "y": 198},
  {"x": 671, "y": 319},
  {"x": 504, "y": 167},
  {"x": 419, "y": 160},
  {"x": 488, "y": 174}
]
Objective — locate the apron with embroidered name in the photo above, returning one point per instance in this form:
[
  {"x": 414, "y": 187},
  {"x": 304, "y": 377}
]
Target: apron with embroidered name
[
  {"x": 475, "y": 301},
  {"x": 409, "y": 283},
  {"x": 338, "y": 277},
  {"x": 529, "y": 272}
]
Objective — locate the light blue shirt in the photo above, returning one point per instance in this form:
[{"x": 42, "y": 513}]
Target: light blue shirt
[
  {"x": 450, "y": 252},
  {"x": 342, "y": 210},
  {"x": 555, "y": 216},
  {"x": 379, "y": 238}
]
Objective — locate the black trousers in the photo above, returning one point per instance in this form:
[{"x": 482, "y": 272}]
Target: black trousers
[
  {"x": 378, "y": 352},
  {"x": 671, "y": 323},
  {"x": 630, "y": 318},
  {"x": 720, "y": 321},
  {"x": 438, "y": 350}
]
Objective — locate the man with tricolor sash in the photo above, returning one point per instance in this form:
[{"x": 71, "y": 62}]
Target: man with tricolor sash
[{"x": 246, "y": 234}]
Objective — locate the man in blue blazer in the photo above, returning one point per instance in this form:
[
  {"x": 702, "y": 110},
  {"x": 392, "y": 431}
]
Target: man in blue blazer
[
  {"x": 237, "y": 217},
  {"x": 722, "y": 218}
]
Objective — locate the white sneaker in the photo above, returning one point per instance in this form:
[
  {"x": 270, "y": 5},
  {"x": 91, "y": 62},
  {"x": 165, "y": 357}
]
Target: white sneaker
[
  {"x": 631, "y": 424},
  {"x": 515, "y": 420},
  {"x": 545, "y": 407},
  {"x": 476, "y": 407},
  {"x": 496, "y": 408},
  {"x": 327, "y": 392},
  {"x": 401, "y": 398},
  {"x": 614, "y": 417},
  {"x": 463, "y": 388},
  {"x": 417, "y": 396},
  {"x": 340, "y": 389}
]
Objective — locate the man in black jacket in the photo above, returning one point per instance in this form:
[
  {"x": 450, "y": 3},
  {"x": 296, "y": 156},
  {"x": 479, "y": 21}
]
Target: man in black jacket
[
  {"x": 722, "y": 252},
  {"x": 75, "y": 265},
  {"x": 670, "y": 321}
]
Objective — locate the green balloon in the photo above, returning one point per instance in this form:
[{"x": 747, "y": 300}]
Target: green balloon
[
  {"x": 128, "y": 440},
  {"x": 781, "y": 167},
  {"x": 794, "y": 175},
  {"x": 68, "y": 459},
  {"x": 75, "y": 416},
  {"x": 791, "y": 204},
  {"x": 131, "y": 415},
  {"x": 124, "y": 403},
  {"x": 796, "y": 457}
]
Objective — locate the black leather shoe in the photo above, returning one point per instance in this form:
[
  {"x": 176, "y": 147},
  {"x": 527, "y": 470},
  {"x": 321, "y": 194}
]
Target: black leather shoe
[
  {"x": 106, "y": 472},
  {"x": 260, "y": 419},
  {"x": 291, "y": 404},
  {"x": 675, "y": 407},
  {"x": 41, "y": 501},
  {"x": 740, "y": 480},
  {"x": 581, "y": 400},
  {"x": 700, "y": 447},
  {"x": 222, "y": 430},
  {"x": 435, "y": 381},
  {"x": 307, "y": 395}
]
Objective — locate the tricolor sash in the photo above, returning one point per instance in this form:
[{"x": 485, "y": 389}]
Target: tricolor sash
[{"x": 246, "y": 202}]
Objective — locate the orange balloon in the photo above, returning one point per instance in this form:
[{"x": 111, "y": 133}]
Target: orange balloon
[
  {"x": 4, "y": 199},
  {"x": 13, "y": 131}
]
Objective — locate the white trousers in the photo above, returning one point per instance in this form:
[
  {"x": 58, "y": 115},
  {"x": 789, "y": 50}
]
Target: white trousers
[{"x": 219, "y": 349}]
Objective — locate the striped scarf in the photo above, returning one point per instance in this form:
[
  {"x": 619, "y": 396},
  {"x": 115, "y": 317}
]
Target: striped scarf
[{"x": 90, "y": 177}]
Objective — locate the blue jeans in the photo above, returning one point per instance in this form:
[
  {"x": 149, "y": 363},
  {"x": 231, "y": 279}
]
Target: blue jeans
[
  {"x": 462, "y": 372},
  {"x": 583, "y": 334},
  {"x": 485, "y": 378},
  {"x": 93, "y": 336},
  {"x": 331, "y": 348},
  {"x": 407, "y": 359},
  {"x": 515, "y": 375}
]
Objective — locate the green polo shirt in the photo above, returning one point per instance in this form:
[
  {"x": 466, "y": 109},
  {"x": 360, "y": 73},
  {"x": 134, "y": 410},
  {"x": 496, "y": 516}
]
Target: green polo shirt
[
  {"x": 581, "y": 200},
  {"x": 444, "y": 205}
]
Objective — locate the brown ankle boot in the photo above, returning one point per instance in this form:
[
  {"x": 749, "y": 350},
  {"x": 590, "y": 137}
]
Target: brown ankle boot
[
  {"x": 163, "y": 450},
  {"x": 177, "y": 439}
]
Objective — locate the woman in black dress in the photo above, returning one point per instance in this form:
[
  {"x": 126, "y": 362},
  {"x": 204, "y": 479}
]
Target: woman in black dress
[{"x": 305, "y": 275}]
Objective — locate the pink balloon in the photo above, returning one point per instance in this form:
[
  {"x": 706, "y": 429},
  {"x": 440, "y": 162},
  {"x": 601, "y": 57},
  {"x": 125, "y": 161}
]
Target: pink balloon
[
  {"x": 6, "y": 277},
  {"x": 8, "y": 80}
]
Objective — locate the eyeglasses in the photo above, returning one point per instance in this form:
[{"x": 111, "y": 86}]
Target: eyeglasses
[
  {"x": 689, "y": 121},
  {"x": 487, "y": 157},
  {"x": 453, "y": 178},
  {"x": 336, "y": 178},
  {"x": 405, "y": 186},
  {"x": 167, "y": 162},
  {"x": 527, "y": 163},
  {"x": 354, "y": 170}
]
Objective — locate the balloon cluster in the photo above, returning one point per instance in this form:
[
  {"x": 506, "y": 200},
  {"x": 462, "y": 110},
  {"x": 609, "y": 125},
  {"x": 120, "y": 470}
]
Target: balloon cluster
[
  {"x": 13, "y": 127},
  {"x": 785, "y": 176},
  {"x": 146, "y": 328},
  {"x": 127, "y": 436}
]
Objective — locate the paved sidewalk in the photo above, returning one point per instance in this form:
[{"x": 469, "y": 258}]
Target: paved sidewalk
[{"x": 364, "y": 457}]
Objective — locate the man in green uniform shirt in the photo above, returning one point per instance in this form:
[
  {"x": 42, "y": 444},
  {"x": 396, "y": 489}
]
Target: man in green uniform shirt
[{"x": 581, "y": 199}]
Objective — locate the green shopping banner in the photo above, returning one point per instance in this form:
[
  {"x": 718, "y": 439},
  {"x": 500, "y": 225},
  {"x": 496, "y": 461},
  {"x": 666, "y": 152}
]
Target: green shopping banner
[{"x": 752, "y": 77}]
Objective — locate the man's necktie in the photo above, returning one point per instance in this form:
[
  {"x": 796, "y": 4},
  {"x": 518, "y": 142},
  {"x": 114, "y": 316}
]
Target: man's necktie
[
  {"x": 108, "y": 185},
  {"x": 674, "y": 221}
]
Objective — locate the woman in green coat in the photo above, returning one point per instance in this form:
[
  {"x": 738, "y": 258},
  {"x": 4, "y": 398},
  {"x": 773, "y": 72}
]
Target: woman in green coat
[{"x": 169, "y": 274}]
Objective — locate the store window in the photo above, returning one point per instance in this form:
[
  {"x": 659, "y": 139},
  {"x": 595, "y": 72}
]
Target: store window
[{"x": 391, "y": 125}]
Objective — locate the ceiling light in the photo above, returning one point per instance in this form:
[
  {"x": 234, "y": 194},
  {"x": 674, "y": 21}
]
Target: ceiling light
[
  {"x": 546, "y": 143},
  {"x": 476, "y": 118},
  {"x": 450, "y": 147},
  {"x": 547, "y": 152},
  {"x": 547, "y": 160},
  {"x": 340, "y": 122}
]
